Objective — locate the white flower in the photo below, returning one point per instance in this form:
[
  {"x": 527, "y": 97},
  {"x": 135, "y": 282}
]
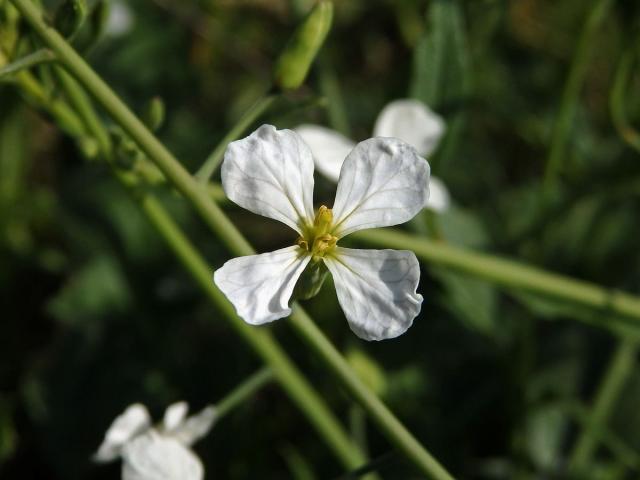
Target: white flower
[
  {"x": 409, "y": 120},
  {"x": 383, "y": 182},
  {"x": 162, "y": 453},
  {"x": 120, "y": 20}
]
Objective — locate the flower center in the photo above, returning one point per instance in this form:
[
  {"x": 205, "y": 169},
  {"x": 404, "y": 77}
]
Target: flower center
[{"x": 317, "y": 239}]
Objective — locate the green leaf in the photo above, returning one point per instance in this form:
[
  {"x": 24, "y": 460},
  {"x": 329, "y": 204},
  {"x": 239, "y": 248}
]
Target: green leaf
[
  {"x": 98, "y": 288},
  {"x": 442, "y": 71},
  {"x": 441, "y": 61}
]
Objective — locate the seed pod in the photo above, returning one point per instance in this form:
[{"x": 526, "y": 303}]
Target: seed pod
[
  {"x": 70, "y": 16},
  {"x": 294, "y": 62}
]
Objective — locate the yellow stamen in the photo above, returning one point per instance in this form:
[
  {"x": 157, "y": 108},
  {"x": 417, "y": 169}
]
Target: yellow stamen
[{"x": 317, "y": 239}]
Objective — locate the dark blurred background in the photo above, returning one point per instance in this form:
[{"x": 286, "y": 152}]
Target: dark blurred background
[{"x": 96, "y": 313}]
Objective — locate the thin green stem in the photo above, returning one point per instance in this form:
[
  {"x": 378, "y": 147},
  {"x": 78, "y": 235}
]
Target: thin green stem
[
  {"x": 620, "y": 366},
  {"x": 609, "y": 439},
  {"x": 378, "y": 411},
  {"x": 229, "y": 235},
  {"x": 572, "y": 88},
  {"x": 245, "y": 390},
  {"x": 618, "y": 100},
  {"x": 512, "y": 275},
  {"x": 212, "y": 162},
  {"x": 82, "y": 104},
  {"x": 38, "y": 96},
  {"x": 36, "y": 58}
]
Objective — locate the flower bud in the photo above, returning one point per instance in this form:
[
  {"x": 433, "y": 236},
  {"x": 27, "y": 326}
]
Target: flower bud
[
  {"x": 294, "y": 62},
  {"x": 70, "y": 16},
  {"x": 153, "y": 115}
]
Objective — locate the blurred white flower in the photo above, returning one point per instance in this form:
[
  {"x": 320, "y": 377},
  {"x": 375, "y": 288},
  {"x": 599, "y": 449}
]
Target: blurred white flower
[
  {"x": 120, "y": 19},
  {"x": 157, "y": 453},
  {"x": 383, "y": 182},
  {"x": 409, "y": 120}
]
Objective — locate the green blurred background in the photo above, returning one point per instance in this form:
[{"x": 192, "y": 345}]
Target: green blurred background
[{"x": 97, "y": 314}]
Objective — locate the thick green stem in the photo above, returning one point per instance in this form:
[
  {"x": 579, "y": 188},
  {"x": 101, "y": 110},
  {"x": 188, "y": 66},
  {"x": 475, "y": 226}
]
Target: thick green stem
[
  {"x": 245, "y": 390},
  {"x": 571, "y": 92},
  {"x": 212, "y": 162},
  {"x": 231, "y": 237},
  {"x": 509, "y": 274},
  {"x": 621, "y": 365}
]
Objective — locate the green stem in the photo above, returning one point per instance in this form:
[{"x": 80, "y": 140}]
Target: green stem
[
  {"x": 378, "y": 411},
  {"x": 230, "y": 236},
  {"x": 36, "y": 58},
  {"x": 85, "y": 110},
  {"x": 245, "y": 390},
  {"x": 509, "y": 274},
  {"x": 618, "y": 101},
  {"x": 620, "y": 366},
  {"x": 38, "y": 96},
  {"x": 609, "y": 440},
  {"x": 212, "y": 162},
  {"x": 571, "y": 92}
]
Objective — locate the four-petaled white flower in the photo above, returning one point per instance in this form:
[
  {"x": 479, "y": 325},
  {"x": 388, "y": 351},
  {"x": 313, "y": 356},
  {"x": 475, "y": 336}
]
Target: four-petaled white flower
[
  {"x": 409, "y": 120},
  {"x": 162, "y": 453},
  {"x": 383, "y": 182}
]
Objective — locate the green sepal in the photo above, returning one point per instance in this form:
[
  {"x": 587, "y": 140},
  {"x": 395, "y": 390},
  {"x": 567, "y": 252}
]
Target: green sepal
[{"x": 311, "y": 280}]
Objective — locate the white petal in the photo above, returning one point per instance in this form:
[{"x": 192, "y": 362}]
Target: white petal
[
  {"x": 383, "y": 182},
  {"x": 174, "y": 415},
  {"x": 376, "y": 290},
  {"x": 155, "y": 457},
  {"x": 329, "y": 148},
  {"x": 270, "y": 173},
  {"x": 413, "y": 122},
  {"x": 132, "y": 422},
  {"x": 260, "y": 286},
  {"x": 439, "y": 198},
  {"x": 196, "y": 426}
]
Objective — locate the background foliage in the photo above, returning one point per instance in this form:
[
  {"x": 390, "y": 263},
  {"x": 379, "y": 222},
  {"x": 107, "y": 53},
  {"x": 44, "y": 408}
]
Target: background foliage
[{"x": 97, "y": 314}]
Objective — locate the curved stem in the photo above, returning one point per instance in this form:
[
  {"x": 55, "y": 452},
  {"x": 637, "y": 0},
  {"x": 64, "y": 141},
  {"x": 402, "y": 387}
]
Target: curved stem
[
  {"x": 571, "y": 92},
  {"x": 230, "y": 236}
]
